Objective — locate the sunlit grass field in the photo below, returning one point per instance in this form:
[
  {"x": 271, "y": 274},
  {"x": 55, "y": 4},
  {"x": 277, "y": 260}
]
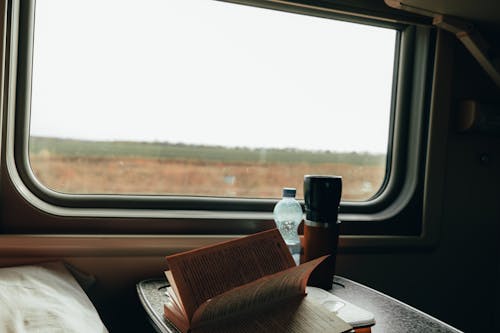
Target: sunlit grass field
[{"x": 108, "y": 167}]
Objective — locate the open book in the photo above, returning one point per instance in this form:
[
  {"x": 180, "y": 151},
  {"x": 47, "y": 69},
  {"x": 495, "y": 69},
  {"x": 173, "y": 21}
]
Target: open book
[{"x": 250, "y": 284}]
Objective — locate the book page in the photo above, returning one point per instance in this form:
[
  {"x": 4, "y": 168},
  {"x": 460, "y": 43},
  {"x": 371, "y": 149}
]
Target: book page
[
  {"x": 174, "y": 292},
  {"x": 201, "y": 274},
  {"x": 257, "y": 295},
  {"x": 172, "y": 297},
  {"x": 292, "y": 316},
  {"x": 175, "y": 315}
]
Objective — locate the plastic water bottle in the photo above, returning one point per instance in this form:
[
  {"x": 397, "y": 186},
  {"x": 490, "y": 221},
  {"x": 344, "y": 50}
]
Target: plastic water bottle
[{"x": 288, "y": 215}]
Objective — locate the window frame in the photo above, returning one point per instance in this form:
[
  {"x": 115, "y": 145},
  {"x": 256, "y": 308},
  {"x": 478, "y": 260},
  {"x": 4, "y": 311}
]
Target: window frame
[{"x": 391, "y": 211}]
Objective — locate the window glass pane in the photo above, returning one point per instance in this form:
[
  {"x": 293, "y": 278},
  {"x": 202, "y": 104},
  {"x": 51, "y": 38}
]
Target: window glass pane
[{"x": 205, "y": 98}]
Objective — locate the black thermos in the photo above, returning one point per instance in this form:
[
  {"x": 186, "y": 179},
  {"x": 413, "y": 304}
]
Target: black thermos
[{"x": 321, "y": 226}]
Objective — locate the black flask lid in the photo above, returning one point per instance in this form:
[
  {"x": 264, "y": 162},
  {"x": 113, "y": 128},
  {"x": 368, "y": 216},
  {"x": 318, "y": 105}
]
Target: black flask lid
[{"x": 322, "y": 197}]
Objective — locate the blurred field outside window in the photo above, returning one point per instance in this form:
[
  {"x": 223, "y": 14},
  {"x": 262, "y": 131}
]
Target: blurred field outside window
[{"x": 206, "y": 98}]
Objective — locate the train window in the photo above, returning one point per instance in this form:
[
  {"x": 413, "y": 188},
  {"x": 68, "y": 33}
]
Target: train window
[{"x": 206, "y": 98}]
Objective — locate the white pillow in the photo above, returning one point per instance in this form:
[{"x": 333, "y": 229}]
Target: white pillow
[{"x": 45, "y": 298}]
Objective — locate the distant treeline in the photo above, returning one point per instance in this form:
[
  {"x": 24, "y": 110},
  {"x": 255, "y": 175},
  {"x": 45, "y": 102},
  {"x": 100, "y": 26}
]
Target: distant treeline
[{"x": 165, "y": 150}]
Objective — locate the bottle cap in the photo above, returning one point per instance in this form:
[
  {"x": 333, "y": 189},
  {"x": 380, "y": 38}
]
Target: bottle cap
[
  {"x": 289, "y": 192},
  {"x": 322, "y": 197}
]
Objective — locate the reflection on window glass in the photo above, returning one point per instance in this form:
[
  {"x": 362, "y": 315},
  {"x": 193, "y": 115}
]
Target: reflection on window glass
[{"x": 205, "y": 98}]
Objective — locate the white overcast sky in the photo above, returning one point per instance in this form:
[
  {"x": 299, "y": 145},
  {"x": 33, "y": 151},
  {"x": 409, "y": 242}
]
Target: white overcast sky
[{"x": 209, "y": 72}]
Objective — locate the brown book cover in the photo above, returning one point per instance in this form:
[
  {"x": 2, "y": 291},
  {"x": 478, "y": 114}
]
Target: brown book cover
[{"x": 249, "y": 284}]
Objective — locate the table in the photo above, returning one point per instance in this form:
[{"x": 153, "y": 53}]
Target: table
[{"x": 391, "y": 315}]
